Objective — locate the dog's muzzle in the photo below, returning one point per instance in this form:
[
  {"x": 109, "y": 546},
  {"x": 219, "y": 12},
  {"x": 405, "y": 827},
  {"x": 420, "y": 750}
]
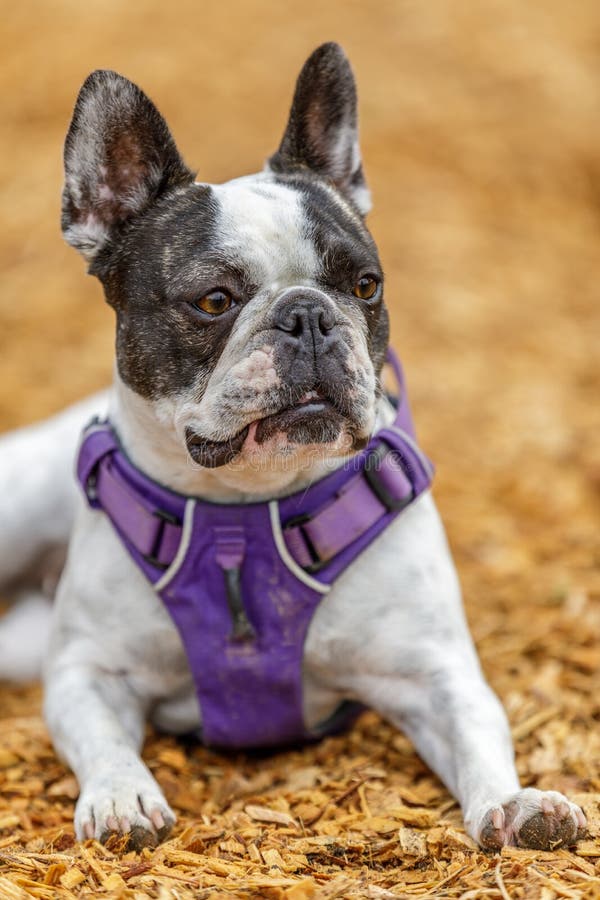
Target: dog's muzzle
[{"x": 316, "y": 407}]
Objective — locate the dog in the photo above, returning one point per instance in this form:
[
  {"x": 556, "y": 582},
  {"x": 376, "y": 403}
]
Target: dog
[{"x": 251, "y": 335}]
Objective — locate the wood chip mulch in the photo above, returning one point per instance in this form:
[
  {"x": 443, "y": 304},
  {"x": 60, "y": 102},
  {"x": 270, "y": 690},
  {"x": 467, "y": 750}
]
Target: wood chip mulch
[{"x": 355, "y": 816}]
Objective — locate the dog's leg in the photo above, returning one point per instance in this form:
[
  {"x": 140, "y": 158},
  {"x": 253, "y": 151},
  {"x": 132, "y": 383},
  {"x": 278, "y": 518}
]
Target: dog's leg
[
  {"x": 24, "y": 635},
  {"x": 97, "y": 723},
  {"x": 114, "y": 653},
  {"x": 406, "y": 651},
  {"x": 37, "y": 493},
  {"x": 459, "y": 728}
]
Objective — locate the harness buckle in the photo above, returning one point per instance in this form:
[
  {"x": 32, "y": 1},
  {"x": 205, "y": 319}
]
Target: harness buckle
[
  {"x": 371, "y": 472},
  {"x": 166, "y": 518},
  {"x": 297, "y": 522},
  {"x": 381, "y": 487}
]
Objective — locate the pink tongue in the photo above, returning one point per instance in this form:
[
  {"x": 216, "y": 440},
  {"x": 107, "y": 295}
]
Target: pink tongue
[{"x": 251, "y": 436}]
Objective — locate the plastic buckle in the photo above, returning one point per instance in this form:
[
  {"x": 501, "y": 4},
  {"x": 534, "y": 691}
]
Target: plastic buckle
[
  {"x": 371, "y": 473},
  {"x": 297, "y": 522},
  {"x": 165, "y": 518}
]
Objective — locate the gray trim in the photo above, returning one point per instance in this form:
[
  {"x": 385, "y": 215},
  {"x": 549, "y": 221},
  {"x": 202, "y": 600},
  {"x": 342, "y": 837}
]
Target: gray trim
[
  {"x": 288, "y": 561},
  {"x": 184, "y": 543}
]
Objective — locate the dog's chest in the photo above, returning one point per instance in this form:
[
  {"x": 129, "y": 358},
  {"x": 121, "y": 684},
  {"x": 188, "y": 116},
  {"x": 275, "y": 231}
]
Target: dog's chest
[
  {"x": 372, "y": 612},
  {"x": 242, "y": 583}
]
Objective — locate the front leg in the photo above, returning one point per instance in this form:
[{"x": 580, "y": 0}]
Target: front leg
[
  {"x": 392, "y": 634},
  {"x": 97, "y": 724},
  {"x": 114, "y": 656},
  {"x": 459, "y": 728}
]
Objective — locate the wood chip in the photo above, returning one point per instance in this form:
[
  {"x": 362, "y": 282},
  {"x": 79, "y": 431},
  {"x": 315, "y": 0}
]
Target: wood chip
[
  {"x": 72, "y": 878},
  {"x": 273, "y": 858},
  {"x": 412, "y": 842},
  {"x": 264, "y": 814}
]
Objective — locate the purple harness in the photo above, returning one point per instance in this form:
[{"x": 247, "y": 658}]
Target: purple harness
[{"x": 242, "y": 582}]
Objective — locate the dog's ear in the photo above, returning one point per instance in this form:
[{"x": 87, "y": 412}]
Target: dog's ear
[
  {"x": 119, "y": 157},
  {"x": 322, "y": 131}
]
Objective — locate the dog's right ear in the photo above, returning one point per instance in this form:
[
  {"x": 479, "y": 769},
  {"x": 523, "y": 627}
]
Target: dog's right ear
[{"x": 119, "y": 157}]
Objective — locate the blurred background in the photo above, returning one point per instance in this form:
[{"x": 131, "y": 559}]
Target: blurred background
[{"x": 480, "y": 131}]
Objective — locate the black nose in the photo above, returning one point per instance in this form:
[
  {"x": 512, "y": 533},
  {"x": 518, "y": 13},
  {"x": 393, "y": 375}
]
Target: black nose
[{"x": 304, "y": 318}]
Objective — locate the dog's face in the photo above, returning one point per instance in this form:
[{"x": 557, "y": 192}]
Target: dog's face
[{"x": 250, "y": 314}]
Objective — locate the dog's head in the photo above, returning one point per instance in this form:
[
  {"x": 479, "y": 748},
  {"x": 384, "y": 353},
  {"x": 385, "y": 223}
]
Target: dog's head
[{"x": 250, "y": 314}]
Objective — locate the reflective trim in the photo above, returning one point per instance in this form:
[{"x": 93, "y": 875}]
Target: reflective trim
[
  {"x": 286, "y": 558},
  {"x": 184, "y": 544}
]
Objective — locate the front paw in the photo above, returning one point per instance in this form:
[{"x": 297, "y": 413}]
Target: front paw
[
  {"x": 132, "y": 805},
  {"x": 540, "y": 820}
]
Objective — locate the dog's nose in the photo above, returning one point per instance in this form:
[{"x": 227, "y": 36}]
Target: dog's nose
[{"x": 304, "y": 318}]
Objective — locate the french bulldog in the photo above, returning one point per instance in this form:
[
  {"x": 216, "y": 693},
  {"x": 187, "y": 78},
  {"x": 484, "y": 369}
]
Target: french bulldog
[{"x": 251, "y": 333}]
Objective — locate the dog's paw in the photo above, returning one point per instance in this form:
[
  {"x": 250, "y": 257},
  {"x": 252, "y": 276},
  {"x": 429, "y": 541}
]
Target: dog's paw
[
  {"x": 115, "y": 805},
  {"x": 540, "y": 820}
]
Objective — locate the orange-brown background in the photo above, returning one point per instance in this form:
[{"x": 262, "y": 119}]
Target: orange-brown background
[{"x": 481, "y": 138}]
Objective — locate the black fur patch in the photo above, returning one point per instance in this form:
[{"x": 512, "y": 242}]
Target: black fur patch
[
  {"x": 166, "y": 259},
  {"x": 321, "y": 133}
]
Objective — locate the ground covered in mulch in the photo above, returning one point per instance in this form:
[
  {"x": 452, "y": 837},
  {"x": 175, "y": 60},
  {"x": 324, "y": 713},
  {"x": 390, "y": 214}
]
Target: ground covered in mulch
[{"x": 481, "y": 139}]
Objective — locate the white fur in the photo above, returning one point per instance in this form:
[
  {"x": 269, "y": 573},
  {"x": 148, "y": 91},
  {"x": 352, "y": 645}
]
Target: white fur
[
  {"x": 24, "y": 633},
  {"x": 87, "y": 236},
  {"x": 257, "y": 207},
  {"x": 37, "y": 491},
  {"x": 346, "y": 146}
]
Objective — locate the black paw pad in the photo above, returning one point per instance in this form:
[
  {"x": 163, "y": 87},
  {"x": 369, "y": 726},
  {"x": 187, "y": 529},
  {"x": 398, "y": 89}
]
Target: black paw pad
[
  {"x": 546, "y": 832},
  {"x": 491, "y": 838},
  {"x": 139, "y": 837}
]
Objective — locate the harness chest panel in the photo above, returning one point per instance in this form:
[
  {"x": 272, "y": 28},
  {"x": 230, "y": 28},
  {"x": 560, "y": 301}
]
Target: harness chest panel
[{"x": 242, "y": 582}]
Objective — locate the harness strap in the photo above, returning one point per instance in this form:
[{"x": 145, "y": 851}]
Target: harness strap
[
  {"x": 155, "y": 533},
  {"x": 383, "y": 486}
]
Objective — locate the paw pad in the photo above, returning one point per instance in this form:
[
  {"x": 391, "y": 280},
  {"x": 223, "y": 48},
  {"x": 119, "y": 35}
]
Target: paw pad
[{"x": 545, "y": 832}]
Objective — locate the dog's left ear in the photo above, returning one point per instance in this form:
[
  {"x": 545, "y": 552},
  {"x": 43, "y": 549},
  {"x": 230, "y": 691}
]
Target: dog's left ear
[
  {"x": 119, "y": 158},
  {"x": 322, "y": 131}
]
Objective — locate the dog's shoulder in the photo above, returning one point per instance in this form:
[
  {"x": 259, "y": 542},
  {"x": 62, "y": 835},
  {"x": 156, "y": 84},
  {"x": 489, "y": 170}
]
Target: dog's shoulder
[
  {"x": 107, "y": 611},
  {"x": 400, "y": 599}
]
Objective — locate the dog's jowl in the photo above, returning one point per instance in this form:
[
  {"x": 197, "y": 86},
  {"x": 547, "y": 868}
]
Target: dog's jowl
[{"x": 253, "y": 550}]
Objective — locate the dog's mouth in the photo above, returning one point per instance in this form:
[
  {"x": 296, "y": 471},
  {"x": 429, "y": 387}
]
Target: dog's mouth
[{"x": 312, "y": 419}]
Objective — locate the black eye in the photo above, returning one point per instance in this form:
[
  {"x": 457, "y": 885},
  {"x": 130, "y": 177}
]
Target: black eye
[
  {"x": 215, "y": 303},
  {"x": 366, "y": 287}
]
